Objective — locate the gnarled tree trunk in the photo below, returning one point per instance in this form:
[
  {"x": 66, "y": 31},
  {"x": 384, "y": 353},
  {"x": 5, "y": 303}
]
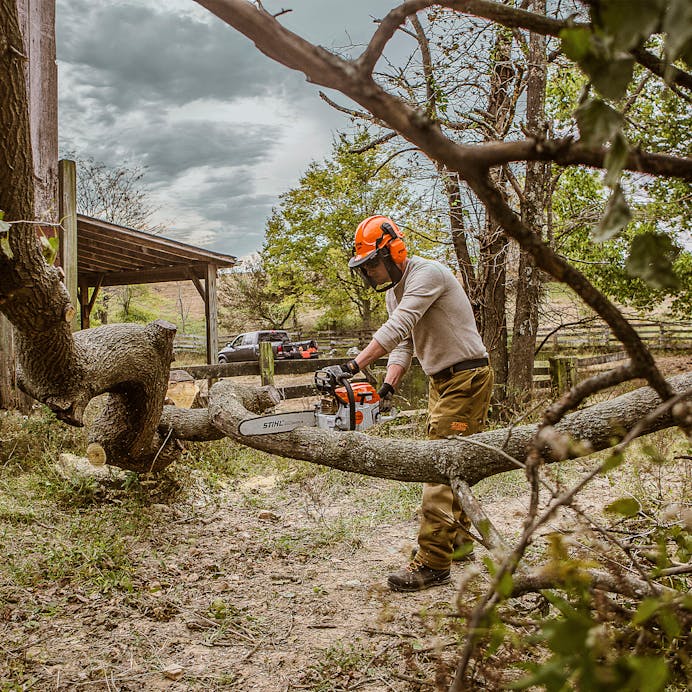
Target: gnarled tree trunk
[{"x": 65, "y": 372}]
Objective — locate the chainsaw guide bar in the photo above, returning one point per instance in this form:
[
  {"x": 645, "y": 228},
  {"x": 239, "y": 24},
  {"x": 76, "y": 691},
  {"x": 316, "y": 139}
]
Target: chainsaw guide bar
[{"x": 280, "y": 423}]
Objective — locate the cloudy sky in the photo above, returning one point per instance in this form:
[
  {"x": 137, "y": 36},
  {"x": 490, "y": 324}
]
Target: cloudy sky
[{"x": 221, "y": 130}]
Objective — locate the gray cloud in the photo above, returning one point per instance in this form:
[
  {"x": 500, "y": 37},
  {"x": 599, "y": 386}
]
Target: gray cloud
[
  {"x": 166, "y": 85},
  {"x": 233, "y": 208},
  {"x": 131, "y": 55},
  {"x": 179, "y": 146}
]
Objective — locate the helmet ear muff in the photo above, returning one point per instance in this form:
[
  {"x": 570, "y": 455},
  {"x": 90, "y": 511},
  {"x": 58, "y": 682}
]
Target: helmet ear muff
[{"x": 396, "y": 246}]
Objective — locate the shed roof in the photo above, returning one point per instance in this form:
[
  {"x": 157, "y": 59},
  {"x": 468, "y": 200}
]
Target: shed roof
[{"x": 111, "y": 255}]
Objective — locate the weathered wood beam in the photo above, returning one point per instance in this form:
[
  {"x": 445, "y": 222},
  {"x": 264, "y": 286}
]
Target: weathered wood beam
[
  {"x": 67, "y": 212},
  {"x": 211, "y": 312},
  {"x": 150, "y": 276}
]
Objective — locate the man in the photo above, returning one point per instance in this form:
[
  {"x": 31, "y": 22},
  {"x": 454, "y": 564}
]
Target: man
[{"x": 429, "y": 312}]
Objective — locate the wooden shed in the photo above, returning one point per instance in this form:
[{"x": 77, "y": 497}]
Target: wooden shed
[{"x": 112, "y": 255}]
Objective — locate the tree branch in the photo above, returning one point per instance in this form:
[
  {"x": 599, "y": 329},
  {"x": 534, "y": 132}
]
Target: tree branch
[
  {"x": 661, "y": 68},
  {"x": 435, "y": 461},
  {"x": 625, "y": 584},
  {"x": 567, "y": 152}
]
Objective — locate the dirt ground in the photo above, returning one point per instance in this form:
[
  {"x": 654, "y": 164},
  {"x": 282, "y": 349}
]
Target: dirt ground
[
  {"x": 224, "y": 601},
  {"x": 270, "y": 582}
]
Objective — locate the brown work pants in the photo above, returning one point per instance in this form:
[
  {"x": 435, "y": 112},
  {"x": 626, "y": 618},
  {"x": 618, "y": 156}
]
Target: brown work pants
[{"x": 458, "y": 405}]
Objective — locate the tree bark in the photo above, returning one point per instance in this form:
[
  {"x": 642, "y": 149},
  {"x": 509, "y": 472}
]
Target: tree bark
[
  {"x": 458, "y": 230},
  {"x": 469, "y": 459},
  {"x": 492, "y": 286},
  {"x": 533, "y": 213},
  {"x": 28, "y": 168},
  {"x": 492, "y": 261}
]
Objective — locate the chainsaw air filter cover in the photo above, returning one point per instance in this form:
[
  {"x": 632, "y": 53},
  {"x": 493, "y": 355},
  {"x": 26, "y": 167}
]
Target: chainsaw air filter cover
[{"x": 363, "y": 392}]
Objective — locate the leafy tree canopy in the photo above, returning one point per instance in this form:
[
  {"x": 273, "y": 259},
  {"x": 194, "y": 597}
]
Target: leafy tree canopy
[
  {"x": 309, "y": 237},
  {"x": 647, "y": 262}
]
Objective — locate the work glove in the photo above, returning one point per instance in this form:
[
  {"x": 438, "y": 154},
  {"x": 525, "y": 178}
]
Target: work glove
[{"x": 386, "y": 393}]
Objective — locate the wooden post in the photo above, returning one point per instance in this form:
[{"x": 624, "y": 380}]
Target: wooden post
[
  {"x": 67, "y": 183},
  {"x": 563, "y": 373},
  {"x": 11, "y": 397},
  {"x": 266, "y": 363},
  {"x": 7, "y": 390},
  {"x": 37, "y": 21},
  {"x": 37, "y": 26},
  {"x": 211, "y": 312}
]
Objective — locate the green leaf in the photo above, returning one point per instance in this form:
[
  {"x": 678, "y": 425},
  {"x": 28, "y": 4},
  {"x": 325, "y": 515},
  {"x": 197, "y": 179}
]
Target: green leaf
[
  {"x": 651, "y": 259},
  {"x": 576, "y": 43},
  {"x": 678, "y": 27},
  {"x": 611, "y": 77},
  {"x": 609, "y": 70},
  {"x": 490, "y": 565},
  {"x": 4, "y": 226},
  {"x": 646, "y": 609},
  {"x": 651, "y": 673},
  {"x": 629, "y": 22},
  {"x": 598, "y": 122},
  {"x": 551, "y": 675},
  {"x": 505, "y": 585},
  {"x": 615, "y": 159},
  {"x": 617, "y": 215},
  {"x": 5, "y": 247},
  {"x": 670, "y": 623},
  {"x": 612, "y": 462},
  {"x": 627, "y": 506}
]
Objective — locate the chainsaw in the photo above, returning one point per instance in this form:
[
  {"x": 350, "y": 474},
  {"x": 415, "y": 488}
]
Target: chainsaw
[{"x": 343, "y": 406}]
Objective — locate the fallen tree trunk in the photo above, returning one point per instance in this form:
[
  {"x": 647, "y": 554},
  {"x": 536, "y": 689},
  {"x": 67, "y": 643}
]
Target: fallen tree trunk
[{"x": 437, "y": 461}]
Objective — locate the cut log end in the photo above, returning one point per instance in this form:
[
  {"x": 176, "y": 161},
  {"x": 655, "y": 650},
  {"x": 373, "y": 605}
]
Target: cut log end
[{"x": 96, "y": 454}]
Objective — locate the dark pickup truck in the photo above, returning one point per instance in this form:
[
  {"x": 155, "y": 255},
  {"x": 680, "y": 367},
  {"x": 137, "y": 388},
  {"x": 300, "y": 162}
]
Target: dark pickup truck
[{"x": 246, "y": 346}]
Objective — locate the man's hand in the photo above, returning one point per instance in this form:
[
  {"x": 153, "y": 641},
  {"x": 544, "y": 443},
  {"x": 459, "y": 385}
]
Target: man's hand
[
  {"x": 338, "y": 372},
  {"x": 386, "y": 394}
]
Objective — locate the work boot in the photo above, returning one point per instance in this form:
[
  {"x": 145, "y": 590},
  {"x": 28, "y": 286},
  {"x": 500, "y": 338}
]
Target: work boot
[{"x": 416, "y": 577}]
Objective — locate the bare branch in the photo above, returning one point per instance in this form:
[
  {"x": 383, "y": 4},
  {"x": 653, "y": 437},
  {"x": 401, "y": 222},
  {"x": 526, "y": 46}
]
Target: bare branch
[
  {"x": 571, "y": 399},
  {"x": 492, "y": 538},
  {"x": 373, "y": 144},
  {"x": 359, "y": 115},
  {"x": 567, "y": 152},
  {"x": 624, "y": 584},
  {"x": 662, "y": 69}
]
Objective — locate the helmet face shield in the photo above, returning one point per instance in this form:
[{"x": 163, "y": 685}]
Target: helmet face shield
[{"x": 377, "y": 270}]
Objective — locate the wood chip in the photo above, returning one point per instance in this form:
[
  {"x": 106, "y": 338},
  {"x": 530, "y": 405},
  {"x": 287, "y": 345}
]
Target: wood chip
[{"x": 174, "y": 671}]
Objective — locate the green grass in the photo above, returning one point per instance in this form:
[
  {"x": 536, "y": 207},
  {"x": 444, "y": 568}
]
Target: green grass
[{"x": 74, "y": 530}]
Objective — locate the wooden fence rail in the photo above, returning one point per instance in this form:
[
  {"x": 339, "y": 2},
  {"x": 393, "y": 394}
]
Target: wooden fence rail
[
  {"x": 558, "y": 373},
  {"x": 655, "y": 334}
]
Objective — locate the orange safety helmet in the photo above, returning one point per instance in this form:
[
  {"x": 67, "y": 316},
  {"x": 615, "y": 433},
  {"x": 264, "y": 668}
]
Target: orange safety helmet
[{"x": 377, "y": 239}]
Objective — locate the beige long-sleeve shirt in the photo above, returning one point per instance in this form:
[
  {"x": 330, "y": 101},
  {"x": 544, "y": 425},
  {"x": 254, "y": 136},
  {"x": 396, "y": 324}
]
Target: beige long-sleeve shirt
[{"x": 431, "y": 315}]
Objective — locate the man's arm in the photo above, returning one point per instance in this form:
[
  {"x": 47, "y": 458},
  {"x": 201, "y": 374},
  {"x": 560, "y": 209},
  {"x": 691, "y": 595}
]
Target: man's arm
[{"x": 371, "y": 353}]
